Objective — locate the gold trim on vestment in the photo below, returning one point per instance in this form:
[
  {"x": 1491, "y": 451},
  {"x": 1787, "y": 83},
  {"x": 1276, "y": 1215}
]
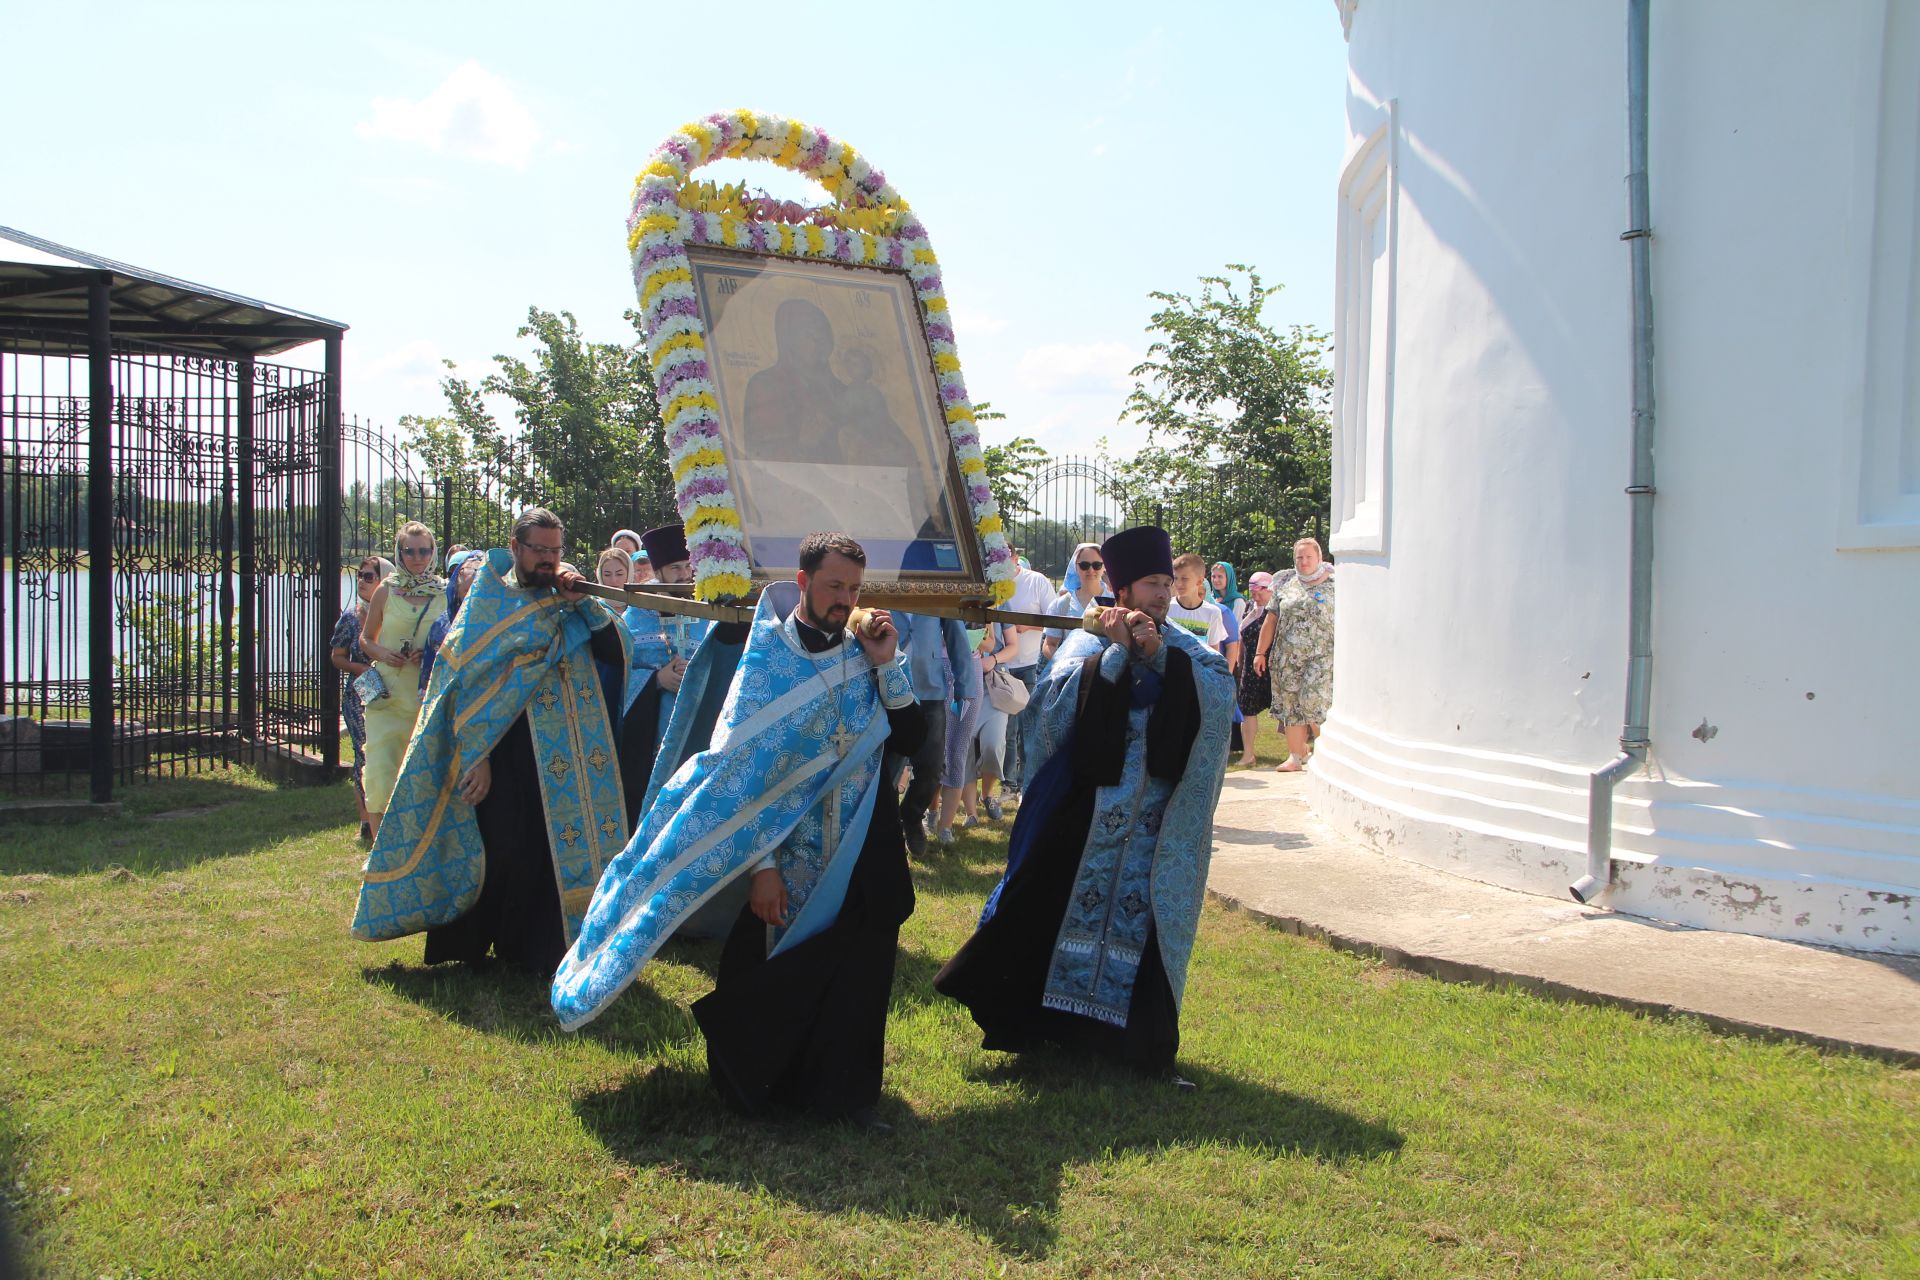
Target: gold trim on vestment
[
  {"x": 453, "y": 660},
  {"x": 524, "y": 660}
]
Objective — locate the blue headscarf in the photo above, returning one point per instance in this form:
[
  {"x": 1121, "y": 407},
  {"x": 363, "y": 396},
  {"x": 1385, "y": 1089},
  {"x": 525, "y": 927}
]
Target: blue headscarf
[
  {"x": 1071, "y": 583},
  {"x": 454, "y": 562},
  {"x": 1231, "y": 597}
]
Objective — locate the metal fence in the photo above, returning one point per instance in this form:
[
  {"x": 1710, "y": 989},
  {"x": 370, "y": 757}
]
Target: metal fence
[
  {"x": 214, "y": 591},
  {"x": 383, "y": 487},
  {"x": 1235, "y": 514}
]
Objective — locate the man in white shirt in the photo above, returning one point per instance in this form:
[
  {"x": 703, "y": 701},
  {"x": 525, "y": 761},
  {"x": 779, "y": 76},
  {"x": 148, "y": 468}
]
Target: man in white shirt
[
  {"x": 1191, "y": 610},
  {"x": 1033, "y": 592}
]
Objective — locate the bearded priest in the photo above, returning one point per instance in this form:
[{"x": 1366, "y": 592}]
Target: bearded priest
[
  {"x": 509, "y": 802},
  {"x": 1086, "y": 940},
  {"x": 790, "y": 792}
]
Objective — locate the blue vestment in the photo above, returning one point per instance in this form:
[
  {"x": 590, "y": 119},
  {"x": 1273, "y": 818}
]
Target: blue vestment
[
  {"x": 791, "y": 774},
  {"x": 511, "y": 651},
  {"x": 1110, "y": 851}
]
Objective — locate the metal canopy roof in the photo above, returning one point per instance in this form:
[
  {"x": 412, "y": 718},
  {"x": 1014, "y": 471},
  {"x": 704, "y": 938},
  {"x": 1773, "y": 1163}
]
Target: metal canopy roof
[{"x": 43, "y": 299}]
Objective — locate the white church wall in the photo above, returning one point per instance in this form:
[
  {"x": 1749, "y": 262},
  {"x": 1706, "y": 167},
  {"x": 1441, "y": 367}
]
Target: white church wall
[{"x": 1481, "y": 634}]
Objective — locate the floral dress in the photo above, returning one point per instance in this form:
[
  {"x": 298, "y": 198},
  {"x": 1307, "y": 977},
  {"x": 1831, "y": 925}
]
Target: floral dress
[
  {"x": 1300, "y": 659},
  {"x": 346, "y": 635}
]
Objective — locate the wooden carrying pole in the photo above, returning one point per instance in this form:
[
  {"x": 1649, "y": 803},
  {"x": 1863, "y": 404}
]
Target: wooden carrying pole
[{"x": 975, "y": 612}]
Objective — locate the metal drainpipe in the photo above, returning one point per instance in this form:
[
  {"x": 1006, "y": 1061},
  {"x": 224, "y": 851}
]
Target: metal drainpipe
[{"x": 1633, "y": 737}]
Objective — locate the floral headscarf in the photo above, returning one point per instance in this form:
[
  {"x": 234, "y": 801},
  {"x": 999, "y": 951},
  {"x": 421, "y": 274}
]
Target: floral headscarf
[{"x": 401, "y": 582}]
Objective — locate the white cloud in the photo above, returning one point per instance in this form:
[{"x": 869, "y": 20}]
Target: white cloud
[
  {"x": 968, "y": 323},
  {"x": 1079, "y": 368},
  {"x": 416, "y": 359},
  {"x": 472, "y": 113}
]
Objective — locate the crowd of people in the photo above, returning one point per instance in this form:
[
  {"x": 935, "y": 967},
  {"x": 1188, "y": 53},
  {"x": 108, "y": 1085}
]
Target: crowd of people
[{"x": 560, "y": 782}]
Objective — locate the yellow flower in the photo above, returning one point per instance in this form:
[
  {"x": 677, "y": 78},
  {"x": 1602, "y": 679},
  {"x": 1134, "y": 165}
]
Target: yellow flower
[
  {"x": 704, "y": 515},
  {"x": 678, "y": 342},
  {"x": 1002, "y": 591},
  {"x": 730, "y": 586},
  {"x": 680, "y": 404},
  {"x": 658, "y": 280},
  {"x": 790, "y": 153},
  {"x": 947, "y": 363},
  {"x": 816, "y": 243},
  {"x": 698, "y": 458},
  {"x": 973, "y": 466},
  {"x": 991, "y": 524}
]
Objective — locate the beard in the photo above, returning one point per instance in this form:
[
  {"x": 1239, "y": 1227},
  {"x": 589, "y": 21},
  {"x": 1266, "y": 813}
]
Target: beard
[
  {"x": 537, "y": 575},
  {"x": 833, "y": 619}
]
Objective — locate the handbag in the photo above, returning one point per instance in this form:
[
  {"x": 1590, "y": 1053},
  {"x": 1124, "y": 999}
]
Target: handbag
[
  {"x": 371, "y": 686},
  {"x": 1004, "y": 692}
]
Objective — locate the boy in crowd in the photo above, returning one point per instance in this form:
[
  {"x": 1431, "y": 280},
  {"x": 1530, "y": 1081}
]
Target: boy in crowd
[{"x": 1191, "y": 609}]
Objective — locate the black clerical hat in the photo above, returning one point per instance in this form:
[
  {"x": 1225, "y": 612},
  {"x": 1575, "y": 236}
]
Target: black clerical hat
[
  {"x": 1133, "y": 554},
  {"x": 665, "y": 545}
]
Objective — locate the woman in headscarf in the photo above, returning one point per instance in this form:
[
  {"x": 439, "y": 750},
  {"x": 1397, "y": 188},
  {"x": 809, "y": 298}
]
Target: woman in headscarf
[
  {"x": 1086, "y": 577},
  {"x": 399, "y": 615},
  {"x": 1256, "y": 693},
  {"x": 461, "y": 568},
  {"x": 1223, "y": 588},
  {"x": 640, "y": 569},
  {"x": 1298, "y": 651},
  {"x": 351, "y": 661}
]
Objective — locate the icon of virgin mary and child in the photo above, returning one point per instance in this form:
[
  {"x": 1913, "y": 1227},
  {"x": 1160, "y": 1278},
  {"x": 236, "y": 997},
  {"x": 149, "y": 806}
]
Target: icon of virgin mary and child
[{"x": 798, "y": 410}]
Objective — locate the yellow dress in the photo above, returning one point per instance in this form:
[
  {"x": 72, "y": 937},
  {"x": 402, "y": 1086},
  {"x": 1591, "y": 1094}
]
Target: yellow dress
[{"x": 390, "y": 719}]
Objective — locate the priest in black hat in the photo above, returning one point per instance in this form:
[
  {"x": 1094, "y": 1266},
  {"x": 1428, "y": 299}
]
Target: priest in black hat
[{"x": 1085, "y": 942}]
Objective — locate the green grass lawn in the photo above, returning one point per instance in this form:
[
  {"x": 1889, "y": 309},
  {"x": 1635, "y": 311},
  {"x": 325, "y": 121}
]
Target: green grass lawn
[{"x": 206, "y": 1076}]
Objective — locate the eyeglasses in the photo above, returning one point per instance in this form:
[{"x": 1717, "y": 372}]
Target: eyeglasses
[
  {"x": 535, "y": 547},
  {"x": 368, "y": 576},
  {"x": 1089, "y": 566},
  {"x": 416, "y": 551}
]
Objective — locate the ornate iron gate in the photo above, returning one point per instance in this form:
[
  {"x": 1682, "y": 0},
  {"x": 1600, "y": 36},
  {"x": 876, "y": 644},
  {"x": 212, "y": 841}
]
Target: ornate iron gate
[
  {"x": 1070, "y": 501},
  {"x": 214, "y": 627}
]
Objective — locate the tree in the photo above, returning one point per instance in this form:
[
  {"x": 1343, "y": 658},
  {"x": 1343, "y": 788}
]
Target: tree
[
  {"x": 1239, "y": 459},
  {"x": 590, "y": 445},
  {"x": 1011, "y": 467}
]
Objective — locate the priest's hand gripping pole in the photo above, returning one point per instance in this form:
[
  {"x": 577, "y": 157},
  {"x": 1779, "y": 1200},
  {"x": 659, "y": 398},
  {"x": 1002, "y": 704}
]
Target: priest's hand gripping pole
[{"x": 676, "y": 598}]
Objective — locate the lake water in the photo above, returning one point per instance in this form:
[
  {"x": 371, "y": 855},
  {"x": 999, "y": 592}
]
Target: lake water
[{"x": 46, "y": 629}]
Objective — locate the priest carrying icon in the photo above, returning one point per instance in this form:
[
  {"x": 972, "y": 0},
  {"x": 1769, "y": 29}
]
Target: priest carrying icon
[
  {"x": 790, "y": 792},
  {"x": 1085, "y": 941},
  {"x": 509, "y": 801}
]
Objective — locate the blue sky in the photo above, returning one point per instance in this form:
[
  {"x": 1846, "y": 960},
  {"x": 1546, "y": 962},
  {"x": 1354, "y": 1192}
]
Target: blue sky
[{"x": 426, "y": 172}]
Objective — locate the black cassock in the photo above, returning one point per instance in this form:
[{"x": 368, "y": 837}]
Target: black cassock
[
  {"x": 517, "y": 916},
  {"x": 807, "y": 1029},
  {"x": 1001, "y": 972}
]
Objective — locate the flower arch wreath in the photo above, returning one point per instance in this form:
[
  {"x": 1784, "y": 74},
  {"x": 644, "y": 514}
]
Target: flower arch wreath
[{"x": 869, "y": 225}]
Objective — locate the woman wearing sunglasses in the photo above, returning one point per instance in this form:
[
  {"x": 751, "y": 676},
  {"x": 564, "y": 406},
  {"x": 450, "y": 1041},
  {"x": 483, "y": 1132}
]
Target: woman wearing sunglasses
[
  {"x": 352, "y": 661},
  {"x": 1086, "y": 578},
  {"x": 401, "y": 611}
]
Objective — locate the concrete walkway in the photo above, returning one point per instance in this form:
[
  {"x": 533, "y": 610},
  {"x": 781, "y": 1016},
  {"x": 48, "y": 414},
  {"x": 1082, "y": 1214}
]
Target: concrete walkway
[{"x": 1274, "y": 858}]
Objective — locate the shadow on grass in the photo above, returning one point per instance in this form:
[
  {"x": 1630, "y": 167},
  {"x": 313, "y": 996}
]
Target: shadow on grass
[
  {"x": 169, "y": 824},
  {"x": 499, "y": 1000},
  {"x": 998, "y": 1166}
]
